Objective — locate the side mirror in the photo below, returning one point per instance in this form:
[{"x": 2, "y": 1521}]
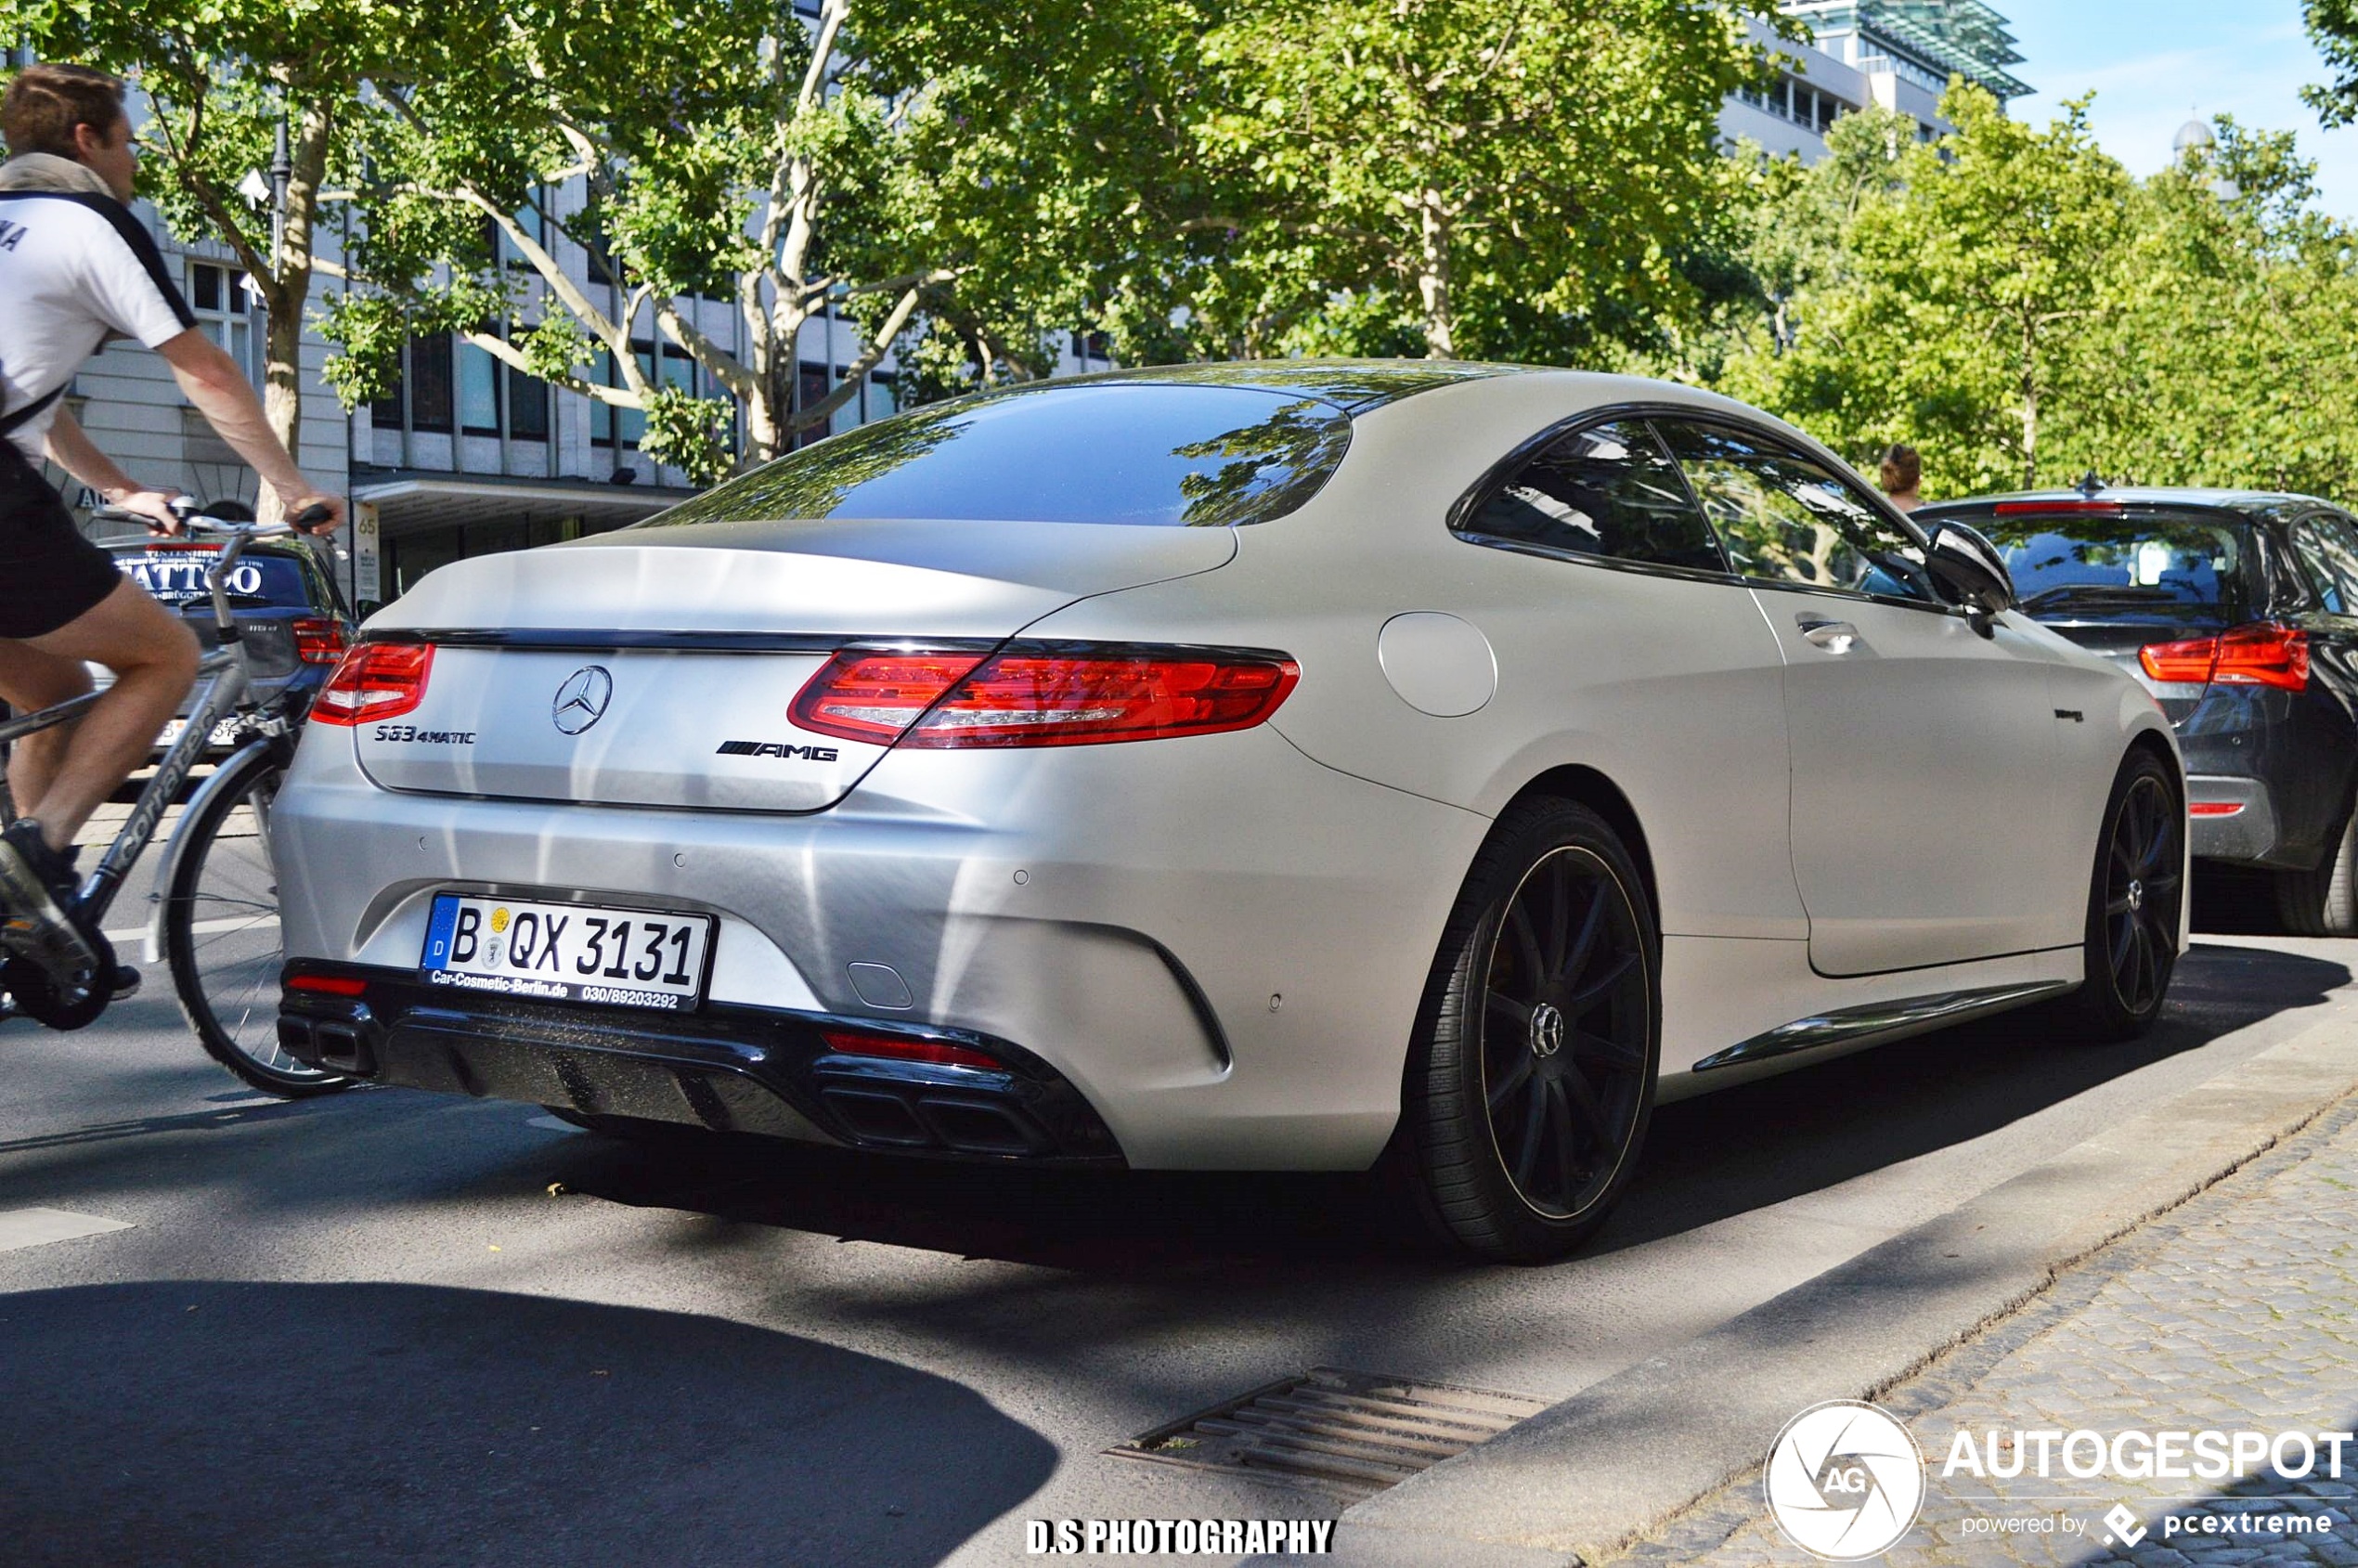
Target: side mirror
[{"x": 1970, "y": 571}]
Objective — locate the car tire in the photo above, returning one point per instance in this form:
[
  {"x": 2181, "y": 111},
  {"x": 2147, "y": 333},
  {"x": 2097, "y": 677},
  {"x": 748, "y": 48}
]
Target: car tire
[
  {"x": 1531, "y": 1077},
  {"x": 2135, "y": 905},
  {"x": 2323, "y": 900}
]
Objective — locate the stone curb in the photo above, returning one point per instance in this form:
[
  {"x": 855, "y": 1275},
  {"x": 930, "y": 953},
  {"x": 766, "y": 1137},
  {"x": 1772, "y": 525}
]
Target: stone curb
[{"x": 1589, "y": 1476}]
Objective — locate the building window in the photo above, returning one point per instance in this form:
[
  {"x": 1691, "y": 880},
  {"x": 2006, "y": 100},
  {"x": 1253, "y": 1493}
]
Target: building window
[
  {"x": 815, "y": 383},
  {"x": 478, "y": 391},
  {"x": 429, "y": 383},
  {"x": 605, "y": 420},
  {"x": 223, "y": 308},
  {"x": 527, "y": 405},
  {"x": 385, "y": 412}
]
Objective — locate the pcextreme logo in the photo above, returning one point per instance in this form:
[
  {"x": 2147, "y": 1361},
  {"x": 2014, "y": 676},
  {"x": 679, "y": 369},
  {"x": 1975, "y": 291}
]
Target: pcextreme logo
[{"x": 1845, "y": 1481}]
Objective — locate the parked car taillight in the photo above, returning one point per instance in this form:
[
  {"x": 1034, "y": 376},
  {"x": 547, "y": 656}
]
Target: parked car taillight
[
  {"x": 319, "y": 639},
  {"x": 1024, "y": 698},
  {"x": 2263, "y": 653},
  {"x": 375, "y": 681}
]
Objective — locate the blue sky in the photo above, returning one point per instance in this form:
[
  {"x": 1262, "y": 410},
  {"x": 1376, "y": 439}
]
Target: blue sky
[{"x": 2156, "y": 63}]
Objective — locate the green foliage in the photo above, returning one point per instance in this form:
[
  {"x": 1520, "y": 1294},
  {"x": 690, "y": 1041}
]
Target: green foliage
[
  {"x": 688, "y": 432},
  {"x": 2333, "y": 27},
  {"x": 2010, "y": 301},
  {"x": 1483, "y": 179}
]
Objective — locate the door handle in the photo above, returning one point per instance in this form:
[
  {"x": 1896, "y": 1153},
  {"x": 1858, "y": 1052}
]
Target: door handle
[{"x": 1835, "y": 637}]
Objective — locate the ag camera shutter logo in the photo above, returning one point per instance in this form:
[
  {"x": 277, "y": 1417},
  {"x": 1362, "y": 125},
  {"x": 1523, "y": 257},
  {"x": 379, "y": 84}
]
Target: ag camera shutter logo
[{"x": 1845, "y": 1481}]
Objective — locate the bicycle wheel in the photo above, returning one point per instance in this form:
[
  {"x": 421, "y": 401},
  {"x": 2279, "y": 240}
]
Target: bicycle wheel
[{"x": 221, "y": 933}]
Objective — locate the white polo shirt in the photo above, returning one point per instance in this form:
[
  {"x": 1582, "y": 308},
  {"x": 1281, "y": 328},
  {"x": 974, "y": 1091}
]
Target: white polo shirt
[{"x": 73, "y": 268}]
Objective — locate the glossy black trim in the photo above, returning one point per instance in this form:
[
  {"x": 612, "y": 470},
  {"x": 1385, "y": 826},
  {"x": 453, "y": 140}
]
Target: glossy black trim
[
  {"x": 584, "y": 640},
  {"x": 1853, "y": 596},
  {"x": 1088, "y": 648},
  {"x": 1604, "y": 563}
]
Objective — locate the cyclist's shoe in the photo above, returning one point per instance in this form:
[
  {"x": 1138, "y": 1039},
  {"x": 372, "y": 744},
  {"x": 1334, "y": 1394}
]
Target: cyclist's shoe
[
  {"x": 36, "y": 888},
  {"x": 126, "y": 980}
]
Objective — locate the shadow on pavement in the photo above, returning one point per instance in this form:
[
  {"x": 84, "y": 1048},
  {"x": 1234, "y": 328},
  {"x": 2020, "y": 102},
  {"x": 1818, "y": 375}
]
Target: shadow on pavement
[
  {"x": 1723, "y": 1153},
  {"x": 225, "y": 1422},
  {"x": 1707, "y": 1158}
]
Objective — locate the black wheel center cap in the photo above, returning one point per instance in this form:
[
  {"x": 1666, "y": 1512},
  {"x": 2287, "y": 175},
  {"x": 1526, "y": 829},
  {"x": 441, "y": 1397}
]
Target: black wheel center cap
[
  {"x": 2137, "y": 895},
  {"x": 1547, "y": 1030}
]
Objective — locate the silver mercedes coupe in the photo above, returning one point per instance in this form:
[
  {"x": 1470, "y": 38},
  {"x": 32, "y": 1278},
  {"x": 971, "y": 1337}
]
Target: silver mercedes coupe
[{"x": 1285, "y": 766}]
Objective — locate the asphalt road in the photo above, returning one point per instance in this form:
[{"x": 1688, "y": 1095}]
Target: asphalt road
[{"x": 388, "y": 1326}]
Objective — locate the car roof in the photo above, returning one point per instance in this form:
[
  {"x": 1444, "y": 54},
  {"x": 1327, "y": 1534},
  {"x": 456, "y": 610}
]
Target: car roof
[{"x": 2261, "y": 504}]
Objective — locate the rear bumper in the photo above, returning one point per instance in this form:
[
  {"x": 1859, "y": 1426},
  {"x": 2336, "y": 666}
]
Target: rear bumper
[
  {"x": 1220, "y": 944},
  {"x": 728, "y": 1068},
  {"x": 2240, "y": 822}
]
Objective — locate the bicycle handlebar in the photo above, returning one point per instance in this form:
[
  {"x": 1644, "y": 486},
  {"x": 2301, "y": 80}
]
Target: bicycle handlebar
[{"x": 196, "y": 520}]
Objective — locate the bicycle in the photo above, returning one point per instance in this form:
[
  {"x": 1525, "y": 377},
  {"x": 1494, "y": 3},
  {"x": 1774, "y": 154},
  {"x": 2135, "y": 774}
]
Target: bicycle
[{"x": 215, "y": 914}]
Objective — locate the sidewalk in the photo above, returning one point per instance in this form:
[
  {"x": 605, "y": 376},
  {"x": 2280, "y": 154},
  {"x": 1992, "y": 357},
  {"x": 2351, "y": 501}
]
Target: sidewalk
[{"x": 2237, "y": 1311}]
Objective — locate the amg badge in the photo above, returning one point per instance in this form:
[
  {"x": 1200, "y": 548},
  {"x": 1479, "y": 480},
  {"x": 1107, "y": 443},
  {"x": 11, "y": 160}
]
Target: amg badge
[{"x": 775, "y": 748}]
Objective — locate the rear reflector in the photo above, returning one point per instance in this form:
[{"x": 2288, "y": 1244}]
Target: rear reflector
[
  {"x": 933, "y": 1053},
  {"x": 2214, "y": 808},
  {"x": 328, "y": 985},
  {"x": 376, "y": 680},
  {"x": 2263, "y": 653},
  {"x": 1061, "y": 697},
  {"x": 319, "y": 639}
]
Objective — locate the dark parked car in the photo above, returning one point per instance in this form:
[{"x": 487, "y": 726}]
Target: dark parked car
[
  {"x": 293, "y": 620},
  {"x": 2239, "y": 612}
]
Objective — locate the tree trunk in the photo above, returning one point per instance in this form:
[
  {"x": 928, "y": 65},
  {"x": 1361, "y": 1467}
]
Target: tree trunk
[
  {"x": 1432, "y": 279},
  {"x": 288, "y": 289}
]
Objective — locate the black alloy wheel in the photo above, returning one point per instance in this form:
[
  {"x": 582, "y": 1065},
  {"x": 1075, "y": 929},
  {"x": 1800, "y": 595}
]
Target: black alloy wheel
[
  {"x": 1532, "y": 1081},
  {"x": 2141, "y": 866},
  {"x": 2135, "y": 905},
  {"x": 1563, "y": 1031}
]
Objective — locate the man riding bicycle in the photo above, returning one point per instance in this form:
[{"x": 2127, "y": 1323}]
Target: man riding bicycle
[{"x": 75, "y": 269}]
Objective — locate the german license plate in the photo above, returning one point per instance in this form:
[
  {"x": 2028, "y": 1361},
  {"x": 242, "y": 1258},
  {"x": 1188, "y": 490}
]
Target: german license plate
[
  {"x": 568, "y": 952},
  {"x": 223, "y": 733}
]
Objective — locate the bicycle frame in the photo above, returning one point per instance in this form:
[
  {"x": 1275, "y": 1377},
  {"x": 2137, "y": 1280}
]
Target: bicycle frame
[{"x": 222, "y": 681}]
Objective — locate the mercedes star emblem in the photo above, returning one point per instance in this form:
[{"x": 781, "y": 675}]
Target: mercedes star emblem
[
  {"x": 1547, "y": 1030},
  {"x": 581, "y": 701}
]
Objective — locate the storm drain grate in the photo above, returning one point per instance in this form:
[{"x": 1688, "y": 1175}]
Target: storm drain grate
[{"x": 1353, "y": 1432}]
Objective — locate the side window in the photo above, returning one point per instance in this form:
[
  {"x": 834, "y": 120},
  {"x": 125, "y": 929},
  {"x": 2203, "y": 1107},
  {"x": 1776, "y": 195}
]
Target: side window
[
  {"x": 1609, "y": 491},
  {"x": 2329, "y": 549},
  {"x": 1787, "y": 519}
]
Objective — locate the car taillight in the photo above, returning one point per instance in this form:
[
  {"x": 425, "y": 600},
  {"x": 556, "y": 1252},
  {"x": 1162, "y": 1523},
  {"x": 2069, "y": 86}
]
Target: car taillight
[
  {"x": 2263, "y": 653},
  {"x": 319, "y": 639},
  {"x": 1024, "y": 698},
  {"x": 375, "y": 681},
  {"x": 874, "y": 696},
  {"x": 932, "y": 1053}
]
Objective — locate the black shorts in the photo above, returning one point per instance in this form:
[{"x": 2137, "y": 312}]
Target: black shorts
[{"x": 50, "y": 576}]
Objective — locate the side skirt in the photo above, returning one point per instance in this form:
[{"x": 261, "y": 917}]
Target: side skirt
[{"x": 1880, "y": 1021}]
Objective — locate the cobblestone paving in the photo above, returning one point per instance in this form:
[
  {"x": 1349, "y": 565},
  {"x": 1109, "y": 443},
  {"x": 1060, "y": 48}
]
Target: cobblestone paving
[{"x": 2237, "y": 1311}]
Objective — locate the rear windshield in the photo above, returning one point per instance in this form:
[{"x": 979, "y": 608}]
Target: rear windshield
[
  {"x": 176, "y": 576},
  {"x": 2124, "y": 568},
  {"x": 1171, "y": 456}
]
